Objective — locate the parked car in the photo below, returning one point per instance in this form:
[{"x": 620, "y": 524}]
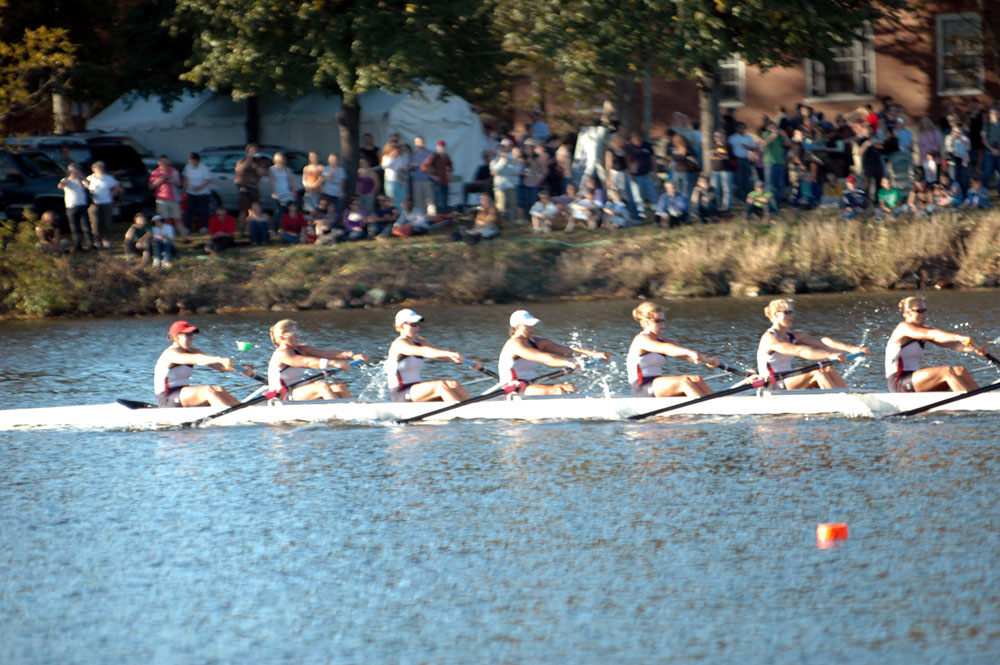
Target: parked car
[
  {"x": 147, "y": 156},
  {"x": 120, "y": 160},
  {"x": 28, "y": 180},
  {"x": 221, "y": 161}
]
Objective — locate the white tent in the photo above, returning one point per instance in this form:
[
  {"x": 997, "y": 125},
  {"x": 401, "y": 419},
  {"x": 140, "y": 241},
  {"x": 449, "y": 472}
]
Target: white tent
[{"x": 203, "y": 119}]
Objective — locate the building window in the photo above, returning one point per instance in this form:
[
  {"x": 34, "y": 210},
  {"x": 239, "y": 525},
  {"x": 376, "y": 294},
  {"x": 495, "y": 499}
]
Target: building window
[
  {"x": 849, "y": 73},
  {"x": 732, "y": 81},
  {"x": 959, "y": 54}
]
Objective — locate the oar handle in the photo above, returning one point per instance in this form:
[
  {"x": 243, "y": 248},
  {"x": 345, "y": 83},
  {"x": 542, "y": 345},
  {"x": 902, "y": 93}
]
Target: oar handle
[
  {"x": 481, "y": 368},
  {"x": 734, "y": 369}
]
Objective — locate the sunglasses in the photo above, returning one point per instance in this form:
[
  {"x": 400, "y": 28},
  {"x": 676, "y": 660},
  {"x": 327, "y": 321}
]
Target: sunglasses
[
  {"x": 921, "y": 310},
  {"x": 789, "y": 312},
  {"x": 658, "y": 320}
]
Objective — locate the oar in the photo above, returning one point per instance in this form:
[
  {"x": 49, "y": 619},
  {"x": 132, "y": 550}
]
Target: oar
[
  {"x": 132, "y": 404},
  {"x": 734, "y": 369},
  {"x": 481, "y": 368},
  {"x": 266, "y": 396},
  {"x": 992, "y": 359},
  {"x": 954, "y": 398},
  {"x": 757, "y": 383},
  {"x": 505, "y": 389}
]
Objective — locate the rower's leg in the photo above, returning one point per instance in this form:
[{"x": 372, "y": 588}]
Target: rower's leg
[
  {"x": 933, "y": 379},
  {"x": 338, "y": 391},
  {"x": 214, "y": 395},
  {"x": 831, "y": 378},
  {"x": 446, "y": 391},
  {"x": 689, "y": 385},
  {"x": 555, "y": 389},
  {"x": 454, "y": 390}
]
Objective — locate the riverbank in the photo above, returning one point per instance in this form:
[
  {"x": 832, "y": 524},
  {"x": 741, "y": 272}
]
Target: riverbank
[{"x": 806, "y": 253}]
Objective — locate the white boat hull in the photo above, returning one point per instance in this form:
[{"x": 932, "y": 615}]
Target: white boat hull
[{"x": 803, "y": 403}]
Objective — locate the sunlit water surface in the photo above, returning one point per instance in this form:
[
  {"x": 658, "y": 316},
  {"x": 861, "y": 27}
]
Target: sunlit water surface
[{"x": 682, "y": 540}]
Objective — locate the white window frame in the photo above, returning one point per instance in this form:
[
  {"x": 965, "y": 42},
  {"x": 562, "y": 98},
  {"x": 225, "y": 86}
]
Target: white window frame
[
  {"x": 940, "y": 20},
  {"x": 816, "y": 73},
  {"x": 735, "y": 61}
]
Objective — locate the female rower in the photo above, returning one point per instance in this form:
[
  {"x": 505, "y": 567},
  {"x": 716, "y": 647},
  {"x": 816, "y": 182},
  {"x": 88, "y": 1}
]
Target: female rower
[
  {"x": 406, "y": 359},
  {"x": 779, "y": 344},
  {"x": 172, "y": 375},
  {"x": 291, "y": 359},
  {"x": 906, "y": 347},
  {"x": 523, "y": 353},
  {"x": 649, "y": 352}
]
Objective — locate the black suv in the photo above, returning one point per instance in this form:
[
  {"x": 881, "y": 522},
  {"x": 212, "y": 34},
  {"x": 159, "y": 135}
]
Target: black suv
[{"x": 29, "y": 179}]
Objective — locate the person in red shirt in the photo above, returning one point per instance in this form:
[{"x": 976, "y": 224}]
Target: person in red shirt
[
  {"x": 221, "y": 231},
  {"x": 438, "y": 167},
  {"x": 165, "y": 182},
  {"x": 294, "y": 224}
]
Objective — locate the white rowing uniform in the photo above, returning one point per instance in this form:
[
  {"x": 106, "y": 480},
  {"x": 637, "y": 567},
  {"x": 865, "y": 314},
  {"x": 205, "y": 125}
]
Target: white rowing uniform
[
  {"x": 772, "y": 362},
  {"x": 280, "y": 376},
  {"x": 643, "y": 368},
  {"x": 513, "y": 368},
  {"x": 903, "y": 357},
  {"x": 403, "y": 371},
  {"x": 167, "y": 377}
]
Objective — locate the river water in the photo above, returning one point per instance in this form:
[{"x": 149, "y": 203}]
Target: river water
[{"x": 681, "y": 540}]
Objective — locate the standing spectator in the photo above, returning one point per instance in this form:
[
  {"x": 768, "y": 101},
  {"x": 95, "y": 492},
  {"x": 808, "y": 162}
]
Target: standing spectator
[
  {"x": 976, "y": 119},
  {"x": 957, "y": 148},
  {"x": 293, "y": 225},
  {"x": 703, "y": 200},
  {"x": 532, "y": 176},
  {"x": 929, "y": 143},
  {"x": 640, "y": 165},
  {"x": 259, "y": 223},
  {"x": 75, "y": 198},
  {"x": 775, "y": 144},
  {"x": 723, "y": 165},
  {"x": 438, "y": 168},
  {"x": 506, "y": 170},
  {"x": 760, "y": 202},
  {"x": 870, "y": 148},
  {"x": 481, "y": 182},
  {"x": 616, "y": 166},
  {"x": 368, "y": 184},
  {"x": 312, "y": 182},
  {"x": 137, "y": 239},
  {"x": 282, "y": 187},
  {"x": 539, "y": 129},
  {"x": 221, "y": 231},
  {"x": 368, "y": 150},
  {"x": 103, "y": 187},
  {"x": 197, "y": 179},
  {"x": 991, "y": 148},
  {"x": 420, "y": 182},
  {"x": 904, "y": 137},
  {"x": 672, "y": 208},
  {"x": 394, "y": 171},
  {"x": 165, "y": 181},
  {"x": 163, "y": 243},
  {"x": 247, "y": 175},
  {"x": 563, "y": 167},
  {"x": 334, "y": 177},
  {"x": 742, "y": 145}
]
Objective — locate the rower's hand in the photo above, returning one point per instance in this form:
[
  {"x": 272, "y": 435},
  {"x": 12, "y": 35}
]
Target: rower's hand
[
  {"x": 862, "y": 349},
  {"x": 708, "y": 361},
  {"x": 227, "y": 365},
  {"x": 600, "y": 355},
  {"x": 474, "y": 364},
  {"x": 342, "y": 365},
  {"x": 247, "y": 370},
  {"x": 363, "y": 357},
  {"x": 455, "y": 357},
  {"x": 838, "y": 356}
]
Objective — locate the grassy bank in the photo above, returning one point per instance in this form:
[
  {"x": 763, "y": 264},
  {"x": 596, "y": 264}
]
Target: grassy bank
[{"x": 813, "y": 252}]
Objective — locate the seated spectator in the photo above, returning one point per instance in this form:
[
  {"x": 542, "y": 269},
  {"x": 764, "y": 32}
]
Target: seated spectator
[
  {"x": 482, "y": 181},
  {"x": 804, "y": 193},
  {"x": 138, "y": 239},
  {"x": 221, "y": 231},
  {"x": 921, "y": 199},
  {"x": 355, "y": 220},
  {"x": 383, "y": 218},
  {"x": 584, "y": 211},
  {"x": 833, "y": 191},
  {"x": 760, "y": 202},
  {"x": 703, "y": 200},
  {"x": 543, "y": 213},
  {"x": 890, "y": 200},
  {"x": 50, "y": 237},
  {"x": 487, "y": 223},
  {"x": 978, "y": 196},
  {"x": 163, "y": 242},
  {"x": 616, "y": 212},
  {"x": 591, "y": 183},
  {"x": 944, "y": 196},
  {"x": 294, "y": 224},
  {"x": 899, "y": 166},
  {"x": 855, "y": 199},
  {"x": 672, "y": 208},
  {"x": 259, "y": 224}
]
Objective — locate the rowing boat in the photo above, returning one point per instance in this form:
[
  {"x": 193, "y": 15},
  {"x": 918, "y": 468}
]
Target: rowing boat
[{"x": 575, "y": 407}]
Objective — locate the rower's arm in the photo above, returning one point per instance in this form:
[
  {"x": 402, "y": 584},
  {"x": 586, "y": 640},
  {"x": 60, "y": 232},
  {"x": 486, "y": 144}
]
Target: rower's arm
[
  {"x": 542, "y": 354},
  {"x": 676, "y": 351},
  {"x": 549, "y": 346},
  {"x": 196, "y": 357},
  {"x": 833, "y": 344},
  {"x": 425, "y": 350},
  {"x": 306, "y": 358},
  {"x": 803, "y": 350},
  {"x": 332, "y": 354}
]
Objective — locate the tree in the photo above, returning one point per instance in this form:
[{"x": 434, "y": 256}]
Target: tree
[
  {"x": 253, "y": 47},
  {"x": 33, "y": 67}
]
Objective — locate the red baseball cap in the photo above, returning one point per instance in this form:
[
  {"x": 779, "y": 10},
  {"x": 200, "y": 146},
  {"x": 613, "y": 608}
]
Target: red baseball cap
[
  {"x": 181, "y": 327},
  {"x": 442, "y": 144}
]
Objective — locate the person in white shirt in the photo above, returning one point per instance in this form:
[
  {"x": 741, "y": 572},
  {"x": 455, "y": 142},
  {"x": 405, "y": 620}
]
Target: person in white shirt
[
  {"x": 103, "y": 187},
  {"x": 616, "y": 213},
  {"x": 543, "y": 213},
  {"x": 75, "y": 198},
  {"x": 334, "y": 176},
  {"x": 196, "y": 179},
  {"x": 282, "y": 188},
  {"x": 163, "y": 242}
]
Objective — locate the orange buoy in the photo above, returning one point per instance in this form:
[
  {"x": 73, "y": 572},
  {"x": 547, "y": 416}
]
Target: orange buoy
[{"x": 829, "y": 533}]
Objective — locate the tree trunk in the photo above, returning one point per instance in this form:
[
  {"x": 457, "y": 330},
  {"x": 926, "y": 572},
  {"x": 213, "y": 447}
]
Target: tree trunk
[
  {"x": 647, "y": 105},
  {"x": 349, "y": 120},
  {"x": 253, "y": 119},
  {"x": 62, "y": 116},
  {"x": 626, "y": 106},
  {"x": 708, "y": 108}
]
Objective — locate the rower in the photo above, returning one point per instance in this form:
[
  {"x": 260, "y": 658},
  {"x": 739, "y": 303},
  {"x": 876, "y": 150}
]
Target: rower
[
  {"x": 291, "y": 359},
  {"x": 406, "y": 359},
  {"x": 780, "y": 344},
  {"x": 905, "y": 349},
  {"x": 648, "y": 353},
  {"x": 523, "y": 353},
  {"x": 172, "y": 375}
]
